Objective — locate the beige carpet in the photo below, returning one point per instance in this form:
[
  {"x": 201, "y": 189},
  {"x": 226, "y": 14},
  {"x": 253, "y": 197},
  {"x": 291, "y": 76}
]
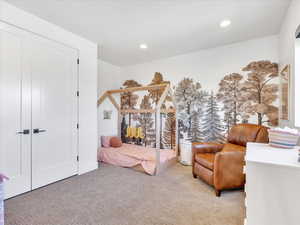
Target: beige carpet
[{"x": 119, "y": 196}]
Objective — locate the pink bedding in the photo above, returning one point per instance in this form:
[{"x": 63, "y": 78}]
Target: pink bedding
[{"x": 132, "y": 155}]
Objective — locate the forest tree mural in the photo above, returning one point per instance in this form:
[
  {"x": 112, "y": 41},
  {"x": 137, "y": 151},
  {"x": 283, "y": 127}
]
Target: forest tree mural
[
  {"x": 146, "y": 121},
  {"x": 129, "y": 100},
  {"x": 212, "y": 127},
  {"x": 246, "y": 96},
  {"x": 259, "y": 93},
  {"x": 229, "y": 94},
  {"x": 239, "y": 99},
  {"x": 155, "y": 94},
  {"x": 196, "y": 129},
  {"x": 190, "y": 99},
  {"x": 169, "y": 131}
]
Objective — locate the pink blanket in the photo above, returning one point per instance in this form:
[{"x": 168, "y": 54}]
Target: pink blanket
[{"x": 132, "y": 155}]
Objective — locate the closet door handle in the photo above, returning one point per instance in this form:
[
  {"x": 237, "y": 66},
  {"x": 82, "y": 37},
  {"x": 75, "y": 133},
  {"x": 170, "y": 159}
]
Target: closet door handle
[
  {"x": 37, "y": 130},
  {"x": 26, "y": 131}
]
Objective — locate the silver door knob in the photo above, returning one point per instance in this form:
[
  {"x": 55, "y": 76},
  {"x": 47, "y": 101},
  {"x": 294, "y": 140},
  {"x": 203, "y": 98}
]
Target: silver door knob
[
  {"x": 37, "y": 130},
  {"x": 26, "y": 131}
]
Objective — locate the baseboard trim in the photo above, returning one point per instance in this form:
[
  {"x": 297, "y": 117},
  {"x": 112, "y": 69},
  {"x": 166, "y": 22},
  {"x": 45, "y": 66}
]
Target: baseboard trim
[{"x": 88, "y": 167}]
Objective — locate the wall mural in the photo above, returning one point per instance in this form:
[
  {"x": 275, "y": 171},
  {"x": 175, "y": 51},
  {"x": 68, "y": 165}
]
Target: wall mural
[
  {"x": 147, "y": 120},
  {"x": 285, "y": 89},
  {"x": 169, "y": 131},
  {"x": 129, "y": 100},
  {"x": 250, "y": 96},
  {"x": 259, "y": 94}
]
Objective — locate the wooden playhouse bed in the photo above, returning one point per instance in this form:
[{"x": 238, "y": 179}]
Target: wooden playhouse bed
[
  {"x": 150, "y": 160},
  {"x": 138, "y": 157}
]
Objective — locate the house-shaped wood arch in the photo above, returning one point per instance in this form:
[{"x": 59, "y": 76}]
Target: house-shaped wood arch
[{"x": 157, "y": 110}]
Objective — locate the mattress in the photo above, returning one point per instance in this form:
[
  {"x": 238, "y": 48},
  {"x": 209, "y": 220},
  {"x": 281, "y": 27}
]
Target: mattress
[{"x": 129, "y": 155}]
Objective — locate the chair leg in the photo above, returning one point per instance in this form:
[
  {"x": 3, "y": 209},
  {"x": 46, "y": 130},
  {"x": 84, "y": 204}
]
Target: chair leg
[{"x": 218, "y": 193}]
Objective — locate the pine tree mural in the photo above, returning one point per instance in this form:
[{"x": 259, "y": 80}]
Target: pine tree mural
[
  {"x": 146, "y": 121},
  {"x": 169, "y": 133},
  {"x": 212, "y": 126},
  {"x": 189, "y": 98},
  {"x": 196, "y": 134}
]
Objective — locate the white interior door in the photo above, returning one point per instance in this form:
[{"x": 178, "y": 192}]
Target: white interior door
[
  {"x": 15, "y": 149},
  {"x": 54, "y": 75},
  {"x": 38, "y": 85}
]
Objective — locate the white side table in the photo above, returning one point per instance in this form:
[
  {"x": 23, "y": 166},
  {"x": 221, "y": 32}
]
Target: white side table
[{"x": 186, "y": 153}]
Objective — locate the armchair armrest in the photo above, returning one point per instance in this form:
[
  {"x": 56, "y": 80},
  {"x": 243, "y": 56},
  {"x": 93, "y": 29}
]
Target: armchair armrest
[
  {"x": 198, "y": 147},
  {"x": 228, "y": 170}
]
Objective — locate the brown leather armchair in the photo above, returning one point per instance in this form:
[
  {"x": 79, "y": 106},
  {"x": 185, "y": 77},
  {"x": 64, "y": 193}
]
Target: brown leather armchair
[{"x": 221, "y": 165}]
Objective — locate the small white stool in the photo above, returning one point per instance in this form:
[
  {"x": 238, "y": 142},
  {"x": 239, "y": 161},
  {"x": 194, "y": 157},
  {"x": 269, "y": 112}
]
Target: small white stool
[{"x": 186, "y": 153}]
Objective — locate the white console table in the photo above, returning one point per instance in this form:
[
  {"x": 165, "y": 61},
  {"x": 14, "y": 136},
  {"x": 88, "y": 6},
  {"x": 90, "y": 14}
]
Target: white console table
[{"x": 272, "y": 185}]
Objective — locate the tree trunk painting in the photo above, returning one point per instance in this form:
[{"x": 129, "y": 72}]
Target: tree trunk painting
[
  {"x": 157, "y": 93},
  {"x": 189, "y": 99},
  {"x": 146, "y": 121},
  {"x": 196, "y": 134},
  {"x": 169, "y": 132},
  {"x": 161, "y": 131},
  {"x": 229, "y": 95},
  {"x": 123, "y": 129},
  {"x": 260, "y": 92},
  {"x": 128, "y": 99}
]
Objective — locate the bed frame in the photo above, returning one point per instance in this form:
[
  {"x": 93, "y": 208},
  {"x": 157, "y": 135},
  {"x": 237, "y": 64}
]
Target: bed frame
[
  {"x": 163, "y": 166},
  {"x": 157, "y": 111}
]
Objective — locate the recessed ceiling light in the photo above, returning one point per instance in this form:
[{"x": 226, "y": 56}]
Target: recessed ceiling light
[
  {"x": 225, "y": 23},
  {"x": 143, "y": 46}
]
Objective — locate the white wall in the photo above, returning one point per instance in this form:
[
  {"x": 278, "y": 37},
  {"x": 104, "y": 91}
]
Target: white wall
[
  {"x": 109, "y": 77},
  {"x": 287, "y": 51},
  {"x": 207, "y": 66},
  {"x": 87, "y": 76}
]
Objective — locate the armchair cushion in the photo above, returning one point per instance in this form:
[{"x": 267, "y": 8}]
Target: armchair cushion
[{"x": 206, "y": 160}]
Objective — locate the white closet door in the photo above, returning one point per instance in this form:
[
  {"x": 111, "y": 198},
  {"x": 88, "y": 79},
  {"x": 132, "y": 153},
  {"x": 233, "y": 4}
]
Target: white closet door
[
  {"x": 14, "y": 113},
  {"x": 54, "y": 77}
]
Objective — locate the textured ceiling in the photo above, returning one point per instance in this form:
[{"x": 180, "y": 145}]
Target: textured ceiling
[{"x": 168, "y": 27}]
